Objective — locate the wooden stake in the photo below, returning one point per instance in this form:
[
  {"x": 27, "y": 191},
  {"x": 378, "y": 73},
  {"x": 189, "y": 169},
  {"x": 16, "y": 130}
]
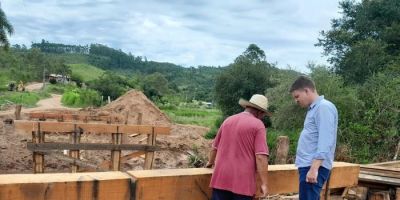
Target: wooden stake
[
  {"x": 18, "y": 111},
  {"x": 282, "y": 150},
  {"x": 148, "y": 161},
  {"x": 75, "y": 138},
  {"x": 38, "y": 159},
  {"x": 116, "y": 154}
]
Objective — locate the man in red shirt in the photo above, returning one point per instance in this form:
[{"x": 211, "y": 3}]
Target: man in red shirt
[{"x": 240, "y": 152}]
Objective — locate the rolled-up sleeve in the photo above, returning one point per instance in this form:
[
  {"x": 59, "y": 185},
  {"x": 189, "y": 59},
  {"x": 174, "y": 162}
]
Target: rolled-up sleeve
[{"x": 325, "y": 121}]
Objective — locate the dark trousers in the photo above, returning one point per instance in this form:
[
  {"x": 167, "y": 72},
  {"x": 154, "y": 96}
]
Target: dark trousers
[
  {"x": 311, "y": 191},
  {"x": 218, "y": 194}
]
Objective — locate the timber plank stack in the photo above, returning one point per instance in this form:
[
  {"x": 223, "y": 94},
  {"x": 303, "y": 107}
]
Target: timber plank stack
[{"x": 382, "y": 180}]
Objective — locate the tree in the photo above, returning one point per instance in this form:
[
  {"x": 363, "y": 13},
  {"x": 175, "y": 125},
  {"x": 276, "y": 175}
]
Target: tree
[
  {"x": 248, "y": 75},
  {"x": 364, "y": 40},
  {"x": 155, "y": 86},
  {"x": 5, "y": 28}
]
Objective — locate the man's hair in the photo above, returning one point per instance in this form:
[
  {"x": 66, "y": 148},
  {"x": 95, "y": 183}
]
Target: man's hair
[{"x": 302, "y": 82}]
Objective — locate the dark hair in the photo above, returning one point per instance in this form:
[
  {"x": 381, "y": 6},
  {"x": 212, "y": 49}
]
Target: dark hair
[{"x": 302, "y": 82}]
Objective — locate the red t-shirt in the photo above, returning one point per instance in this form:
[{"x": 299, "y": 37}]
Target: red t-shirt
[{"x": 239, "y": 139}]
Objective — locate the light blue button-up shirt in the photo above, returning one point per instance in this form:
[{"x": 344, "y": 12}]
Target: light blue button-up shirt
[{"x": 318, "y": 138}]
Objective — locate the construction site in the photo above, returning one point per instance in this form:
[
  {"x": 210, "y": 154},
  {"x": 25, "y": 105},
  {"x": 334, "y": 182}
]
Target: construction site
[{"x": 129, "y": 149}]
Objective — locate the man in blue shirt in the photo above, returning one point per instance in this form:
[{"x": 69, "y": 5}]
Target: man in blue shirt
[{"x": 317, "y": 142}]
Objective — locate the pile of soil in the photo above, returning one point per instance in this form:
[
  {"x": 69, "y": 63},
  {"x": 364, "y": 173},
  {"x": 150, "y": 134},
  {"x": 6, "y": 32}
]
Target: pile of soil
[
  {"x": 131, "y": 104},
  {"x": 183, "y": 142}
]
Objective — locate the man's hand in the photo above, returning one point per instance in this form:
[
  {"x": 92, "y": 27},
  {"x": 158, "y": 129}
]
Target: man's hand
[
  {"x": 209, "y": 164},
  {"x": 312, "y": 175},
  {"x": 264, "y": 190}
]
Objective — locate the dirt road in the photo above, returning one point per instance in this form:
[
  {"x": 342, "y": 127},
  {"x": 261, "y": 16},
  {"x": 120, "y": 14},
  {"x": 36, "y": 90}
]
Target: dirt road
[
  {"x": 52, "y": 103},
  {"x": 34, "y": 86}
]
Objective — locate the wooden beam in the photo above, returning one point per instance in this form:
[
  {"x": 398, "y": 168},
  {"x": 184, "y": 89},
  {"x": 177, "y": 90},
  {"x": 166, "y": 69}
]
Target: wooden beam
[
  {"x": 98, "y": 128},
  {"x": 66, "y": 186},
  {"x": 74, "y": 117},
  {"x": 194, "y": 183},
  {"x": 366, "y": 178},
  {"x": 69, "y": 127},
  {"x": 57, "y": 127},
  {"x": 89, "y": 146}
]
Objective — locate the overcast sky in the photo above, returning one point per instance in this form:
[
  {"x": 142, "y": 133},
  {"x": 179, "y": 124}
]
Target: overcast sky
[{"x": 189, "y": 33}]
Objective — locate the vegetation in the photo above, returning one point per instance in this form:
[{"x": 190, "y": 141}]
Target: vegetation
[
  {"x": 27, "y": 99},
  {"x": 85, "y": 72},
  {"x": 81, "y": 98},
  {"x": 5, "y": 28},
  {"x": 362, "y": 45}
]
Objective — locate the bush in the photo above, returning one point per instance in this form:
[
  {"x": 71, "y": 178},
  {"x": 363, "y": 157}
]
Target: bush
[{"x": 81, "y": 98}]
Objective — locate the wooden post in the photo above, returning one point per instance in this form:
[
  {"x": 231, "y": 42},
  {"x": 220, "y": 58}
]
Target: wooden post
[
  {"x": 38, "y": 159},
  {"x": 116, "y": 154},
  {"x": 75, "y": 138},
  {"x": 148, "y": 161},
  {"x": 282, "y": 150},
  {"x": 398, "y": 193},
  {"x": 18, "y": 112}
]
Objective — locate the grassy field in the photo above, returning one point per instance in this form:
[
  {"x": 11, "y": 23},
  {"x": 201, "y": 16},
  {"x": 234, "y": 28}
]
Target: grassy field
[
  {"x": 196, "y": 116},
  {"x": 27, "y": 99},
  {"x": 86, "y": 71}
]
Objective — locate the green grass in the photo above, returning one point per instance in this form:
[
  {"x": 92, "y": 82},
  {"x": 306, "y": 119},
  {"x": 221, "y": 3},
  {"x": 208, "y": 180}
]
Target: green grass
[
  {"x": 27, "y": 99},
  {"x": 195, "y": 116},
  {"x": 86, "y": 71}
]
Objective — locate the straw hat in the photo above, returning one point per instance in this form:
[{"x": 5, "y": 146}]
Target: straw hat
[{"x": 257, "y": 101}]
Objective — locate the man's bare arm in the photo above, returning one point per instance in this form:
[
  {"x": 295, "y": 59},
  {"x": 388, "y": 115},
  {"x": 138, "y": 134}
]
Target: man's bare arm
[
  {"x": 211, "y": 158},
  {"x": 262, "y": 170}
]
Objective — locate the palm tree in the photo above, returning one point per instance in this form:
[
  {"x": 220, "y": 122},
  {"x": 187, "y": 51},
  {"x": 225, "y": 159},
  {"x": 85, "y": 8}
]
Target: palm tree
[{"x": 5, "y": 27}]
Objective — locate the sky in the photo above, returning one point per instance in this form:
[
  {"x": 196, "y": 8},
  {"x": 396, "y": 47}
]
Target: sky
[{"x": 184, "y": 32}]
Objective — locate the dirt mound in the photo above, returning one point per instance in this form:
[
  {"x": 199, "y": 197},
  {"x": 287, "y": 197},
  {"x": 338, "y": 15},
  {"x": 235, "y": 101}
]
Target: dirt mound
[{"x": 131, "y": 104}]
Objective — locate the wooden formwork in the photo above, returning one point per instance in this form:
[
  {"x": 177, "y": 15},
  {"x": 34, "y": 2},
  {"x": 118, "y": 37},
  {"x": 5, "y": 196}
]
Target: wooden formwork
[
  {"x": 39, "y": 129},
  {"x": 166, "y": 184}
]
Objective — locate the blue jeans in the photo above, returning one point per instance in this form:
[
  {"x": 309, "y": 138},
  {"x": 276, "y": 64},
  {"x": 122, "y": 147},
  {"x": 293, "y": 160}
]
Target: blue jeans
[
  {"x": 218, "y": 194},
  {"x": 311, "y": 191}
]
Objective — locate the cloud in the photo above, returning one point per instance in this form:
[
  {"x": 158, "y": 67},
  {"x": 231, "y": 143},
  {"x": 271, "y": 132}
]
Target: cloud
[{"x": 189, "y": 33}]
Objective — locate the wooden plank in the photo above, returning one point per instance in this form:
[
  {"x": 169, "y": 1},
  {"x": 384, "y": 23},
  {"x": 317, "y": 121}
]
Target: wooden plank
[
  {"x": 98, "y": 128},
  {"x": 26, "y": 126},
  {"x": 141, "y": 129},
  {"x": 51, "y": 126},
  {"x": 162, "y": 130},
  {"x": 378, "y": 180},
  {"x": 194, "y": 183},
  {"x": 66, "y": 186},
  {"x": 57, "y": 127},
  {"x": 382, "y": 174},
  {"x": 89, "y": 146},
  {"x": 74, "y": 117},
  {"x": 392, "y": 164}
]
